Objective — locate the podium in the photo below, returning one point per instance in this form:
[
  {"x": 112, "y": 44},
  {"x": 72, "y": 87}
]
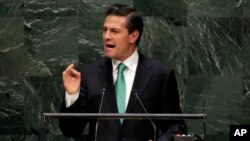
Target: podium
[{"x": 135, "y": 116}]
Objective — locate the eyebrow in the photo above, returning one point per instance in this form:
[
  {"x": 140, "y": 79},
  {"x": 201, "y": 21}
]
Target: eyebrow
[{"x": 112, "y": 28}]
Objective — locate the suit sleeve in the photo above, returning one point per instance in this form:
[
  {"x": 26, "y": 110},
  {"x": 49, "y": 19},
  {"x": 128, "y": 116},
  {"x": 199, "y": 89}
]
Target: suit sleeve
[
  {"x": 171, "y": 104},
  {"x": 74, "y": 127}
]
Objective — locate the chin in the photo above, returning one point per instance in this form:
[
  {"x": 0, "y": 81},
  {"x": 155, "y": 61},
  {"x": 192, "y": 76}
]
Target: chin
[{"x": 109, "y": 55}]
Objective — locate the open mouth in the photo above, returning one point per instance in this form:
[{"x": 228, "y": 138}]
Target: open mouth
[{"x": 110, "y": 46}]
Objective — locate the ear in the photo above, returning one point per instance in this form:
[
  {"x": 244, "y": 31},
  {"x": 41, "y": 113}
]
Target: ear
[{"x": 134, "y": 36}]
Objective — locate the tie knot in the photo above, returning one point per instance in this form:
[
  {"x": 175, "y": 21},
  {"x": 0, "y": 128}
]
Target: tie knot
[{"x": 121, "y": 67}]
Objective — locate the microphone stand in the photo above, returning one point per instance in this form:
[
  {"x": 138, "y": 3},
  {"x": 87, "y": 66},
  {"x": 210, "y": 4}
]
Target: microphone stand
[
  {"x": 100, "y": 108},
  {"x": 154, "y": 126}
]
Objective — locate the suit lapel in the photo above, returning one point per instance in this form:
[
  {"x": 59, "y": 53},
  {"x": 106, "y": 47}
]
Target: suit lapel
[
  {"x": 106, "y": 78},
  {"x": 142, "y": 77}
]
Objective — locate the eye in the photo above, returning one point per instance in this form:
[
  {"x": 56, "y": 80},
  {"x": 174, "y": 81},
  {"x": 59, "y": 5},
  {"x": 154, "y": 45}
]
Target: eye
[
  {"x": 115, "y": 31},
  {"x": 104, "y": 29}
]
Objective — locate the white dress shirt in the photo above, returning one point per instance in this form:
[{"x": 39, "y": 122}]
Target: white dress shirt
[{"x": 129, "y": 74}]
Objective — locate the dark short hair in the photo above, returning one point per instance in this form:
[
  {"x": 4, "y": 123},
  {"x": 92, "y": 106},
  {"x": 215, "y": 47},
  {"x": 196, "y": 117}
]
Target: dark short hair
[{"x": 134, "y": 18}]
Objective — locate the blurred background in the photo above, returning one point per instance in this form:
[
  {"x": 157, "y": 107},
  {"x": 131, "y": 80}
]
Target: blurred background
[{"x": 206, "y": 41}]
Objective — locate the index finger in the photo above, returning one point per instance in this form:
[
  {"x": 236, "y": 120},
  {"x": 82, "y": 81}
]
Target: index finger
[{"x": 69, "y": 67}]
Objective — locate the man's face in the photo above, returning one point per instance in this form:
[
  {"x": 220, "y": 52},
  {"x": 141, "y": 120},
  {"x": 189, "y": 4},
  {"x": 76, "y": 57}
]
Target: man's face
[{"x": 118, "y": 43}]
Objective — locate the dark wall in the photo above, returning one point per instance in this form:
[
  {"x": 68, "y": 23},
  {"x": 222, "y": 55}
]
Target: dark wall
[{"x": 206, "y": 41}]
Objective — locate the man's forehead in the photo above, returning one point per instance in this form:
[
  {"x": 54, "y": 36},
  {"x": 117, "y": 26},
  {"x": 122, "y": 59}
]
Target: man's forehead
[{"x": 114, "y": 22}]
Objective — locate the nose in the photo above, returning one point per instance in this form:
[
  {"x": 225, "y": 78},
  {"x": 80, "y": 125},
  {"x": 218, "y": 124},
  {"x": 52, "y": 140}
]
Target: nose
[{"x": 106, "y": 35}]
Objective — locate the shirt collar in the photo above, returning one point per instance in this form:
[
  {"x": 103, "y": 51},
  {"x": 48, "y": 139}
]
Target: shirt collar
[{"x": 131, "y": 62}]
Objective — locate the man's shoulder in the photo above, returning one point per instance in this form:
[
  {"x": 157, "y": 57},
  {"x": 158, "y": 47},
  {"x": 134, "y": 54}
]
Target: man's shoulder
[
  {"x": 158, "y": 65},
  {"x": 94, "y": 65},
  {"x": 97, "y": 62}
]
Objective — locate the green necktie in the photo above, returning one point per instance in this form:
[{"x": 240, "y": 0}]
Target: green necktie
[{"x": 120, "y": 89}]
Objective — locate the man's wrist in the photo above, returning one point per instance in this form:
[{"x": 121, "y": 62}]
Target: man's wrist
[{"x": 70, "y": 99}]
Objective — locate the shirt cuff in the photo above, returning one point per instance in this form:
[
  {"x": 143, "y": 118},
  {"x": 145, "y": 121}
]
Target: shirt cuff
[{"x": 71, "y": 99}]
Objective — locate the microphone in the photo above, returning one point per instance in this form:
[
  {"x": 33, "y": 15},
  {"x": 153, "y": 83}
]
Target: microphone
[
  {"x": 99, "y": 111},
  {"x": 145, "y": 110},
  {"x": 100, "y": 106}
]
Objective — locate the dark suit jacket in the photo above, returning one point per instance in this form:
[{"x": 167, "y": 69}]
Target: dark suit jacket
[{"x": 154, "y": 83}]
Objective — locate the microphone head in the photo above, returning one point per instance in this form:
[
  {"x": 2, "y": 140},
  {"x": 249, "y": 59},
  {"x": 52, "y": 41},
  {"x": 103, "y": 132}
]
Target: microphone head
[
  {"x": 105, "y": 85},
  {"x": 134, "y": 91},
  {"x": 103, "y": 89}
]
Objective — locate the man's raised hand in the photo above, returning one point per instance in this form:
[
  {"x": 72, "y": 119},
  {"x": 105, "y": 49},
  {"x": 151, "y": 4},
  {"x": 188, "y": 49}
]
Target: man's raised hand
[{"x": 71, "y": 80}]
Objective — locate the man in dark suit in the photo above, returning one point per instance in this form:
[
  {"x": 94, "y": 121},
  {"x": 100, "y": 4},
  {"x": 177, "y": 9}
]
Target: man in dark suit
[{"x": 131, "y": 83}]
